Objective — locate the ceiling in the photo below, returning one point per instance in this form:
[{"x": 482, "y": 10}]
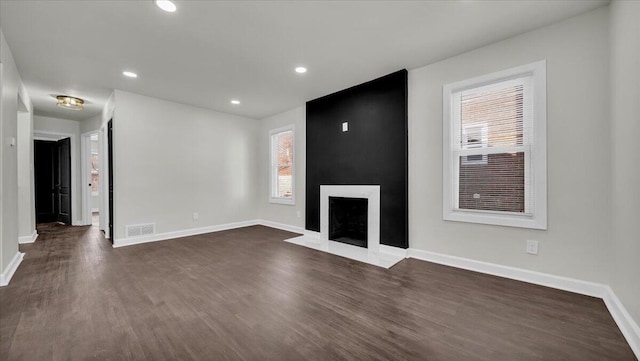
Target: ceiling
[{"x": 207, "y": 53}]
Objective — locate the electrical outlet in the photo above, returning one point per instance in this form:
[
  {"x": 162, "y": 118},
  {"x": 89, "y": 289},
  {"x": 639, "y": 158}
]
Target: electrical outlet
[
  {"x": 298, "y": 214},
  {"x": 532, "y": 247},
  {"x": 195, "y": 216}
]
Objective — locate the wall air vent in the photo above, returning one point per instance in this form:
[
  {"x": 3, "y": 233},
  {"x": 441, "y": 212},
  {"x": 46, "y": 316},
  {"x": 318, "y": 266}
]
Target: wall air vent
[{"x": 137, "y": 230}]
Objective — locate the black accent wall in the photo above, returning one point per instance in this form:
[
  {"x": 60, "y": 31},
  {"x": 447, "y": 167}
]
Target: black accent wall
[{"x": 373, "y": 151}]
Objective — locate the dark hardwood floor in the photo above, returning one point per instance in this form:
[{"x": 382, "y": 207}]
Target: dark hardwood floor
[{"x": 246, "y": 295}]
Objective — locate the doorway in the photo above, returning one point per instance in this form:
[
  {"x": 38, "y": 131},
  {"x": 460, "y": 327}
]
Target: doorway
[
  {"x": 110, "y": 177},
  {"x": 97, "y": 178},
  {"x": 91, "y": 179},
  {"x": 52, "y": 177}
]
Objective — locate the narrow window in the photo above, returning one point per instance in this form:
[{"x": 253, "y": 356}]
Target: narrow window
[
  {"x": 495, "y": 148},
  {"x": 95, "y": 172},
  {"x": 282, "y": 166}
]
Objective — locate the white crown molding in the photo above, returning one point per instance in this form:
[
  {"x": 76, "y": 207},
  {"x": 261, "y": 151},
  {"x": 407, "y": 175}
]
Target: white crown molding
[
  {"x": 28, "y": 239},
  {"x": 7, "y": 273}
]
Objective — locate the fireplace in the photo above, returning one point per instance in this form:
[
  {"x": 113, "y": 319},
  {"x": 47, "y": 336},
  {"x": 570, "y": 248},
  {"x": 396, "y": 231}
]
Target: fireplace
[
  {"x": 351, "y": 194},
  {"x": 359, "y": 208},
  {"x": 348, "y": 220}
]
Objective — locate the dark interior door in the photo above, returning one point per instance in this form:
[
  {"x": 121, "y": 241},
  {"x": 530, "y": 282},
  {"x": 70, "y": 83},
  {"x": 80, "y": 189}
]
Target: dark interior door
[
  {"x": 110, "y": 160},
  {"x": 45, "y": 156},
  {"x": 52, "y": 176},
  {"x": 64, "y": 181}
]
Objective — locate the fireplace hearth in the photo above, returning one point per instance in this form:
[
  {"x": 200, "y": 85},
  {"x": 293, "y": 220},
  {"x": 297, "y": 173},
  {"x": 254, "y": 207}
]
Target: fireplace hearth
[{"x": 370, "y": 251}]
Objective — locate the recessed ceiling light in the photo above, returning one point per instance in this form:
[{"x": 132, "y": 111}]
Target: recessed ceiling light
[
  {"x": 301, "y": 70},
  {"x": 166, "y": 5},
  {"x": 235, "y": 101},
  {"x": 71, "y": 103},
  {"x": 129, "y": 74}
]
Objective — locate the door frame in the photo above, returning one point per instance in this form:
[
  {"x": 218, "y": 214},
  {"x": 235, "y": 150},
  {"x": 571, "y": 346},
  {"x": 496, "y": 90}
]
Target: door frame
[
  {"x": 108, "y": 199},
  {"x": 85, "y": 160},
  {"x": 55, "y": 136}
]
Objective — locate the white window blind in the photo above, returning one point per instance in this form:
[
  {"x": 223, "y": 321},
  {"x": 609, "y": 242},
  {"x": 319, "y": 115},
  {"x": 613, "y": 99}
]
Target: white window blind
[
  {"x": 495, "y": 161},
  {"x": 474, "y": 136},
  {"x": 492, "y": 130}
]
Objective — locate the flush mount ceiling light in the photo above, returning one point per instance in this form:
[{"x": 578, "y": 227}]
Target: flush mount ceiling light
[
  {"x": 129, "y": 74},
  {"x": 68, "y": 102},
  {"x": 166, "y": 5},
  {"x": 235, "y": 101},
  {"x": 301, "y": 70}
]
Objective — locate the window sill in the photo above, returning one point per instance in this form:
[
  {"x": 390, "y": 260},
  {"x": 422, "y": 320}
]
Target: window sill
[
  {"x": 286, "y": 201},
  {"x": 506, "y": 219}
]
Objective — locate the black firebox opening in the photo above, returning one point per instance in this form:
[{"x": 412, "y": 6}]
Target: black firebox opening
[{"x": 348, "y": 220}]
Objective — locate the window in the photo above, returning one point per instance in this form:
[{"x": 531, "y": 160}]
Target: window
[
  {"x": 495, "y": 148},
  {"x": 95, "y": 173},
  {"x": 282, "y": 169}
]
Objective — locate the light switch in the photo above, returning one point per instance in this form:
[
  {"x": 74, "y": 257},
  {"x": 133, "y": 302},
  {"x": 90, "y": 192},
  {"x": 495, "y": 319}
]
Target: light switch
[{"x": 345, "y": 127}]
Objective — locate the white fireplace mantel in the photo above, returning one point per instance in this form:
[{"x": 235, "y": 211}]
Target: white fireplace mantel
[
  {"x": 371, "y": 193},
  {"x": 375, "y": 253}
]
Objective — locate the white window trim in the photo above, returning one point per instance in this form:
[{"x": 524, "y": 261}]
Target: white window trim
[
  {"x": 537, "y": 217},
  {"x": 273, "y": 176}
]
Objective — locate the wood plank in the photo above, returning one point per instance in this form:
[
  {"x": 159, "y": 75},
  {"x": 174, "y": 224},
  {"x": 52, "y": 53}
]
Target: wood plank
[{"x": 244, "y": 294}]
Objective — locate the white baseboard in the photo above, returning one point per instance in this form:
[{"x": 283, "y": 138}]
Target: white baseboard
[
  {"x": 28, "y": 239},
  {"x": 312, "y": 234},
  {"x": 393, "y": 250},
  {"x": 183, "y": 233},
  {"x": 195, "y": 231},
  {"x": 282, "y": 226},
  {"x": 623, "y": 319},
  {"x": 7, "y": 273},
  {"x": 78, "y": 222},
  {"x": 519, "y": 274},
  {"x": 625, "y": 322}
]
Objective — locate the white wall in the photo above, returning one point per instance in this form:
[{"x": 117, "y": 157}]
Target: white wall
[
  {"x": 45, "y": 125},
  {"x": 576, "y": 242},
  {"x": 625, "y": 121},
  {"x": 11, "y": 85},
  {"x": 26, "y": 190},
  {"x": 91, "y": 125},
  {"x": 283, "y": 213},
  {"x": 48, "y": 124},
  {"x": 171, "y": 160}
]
